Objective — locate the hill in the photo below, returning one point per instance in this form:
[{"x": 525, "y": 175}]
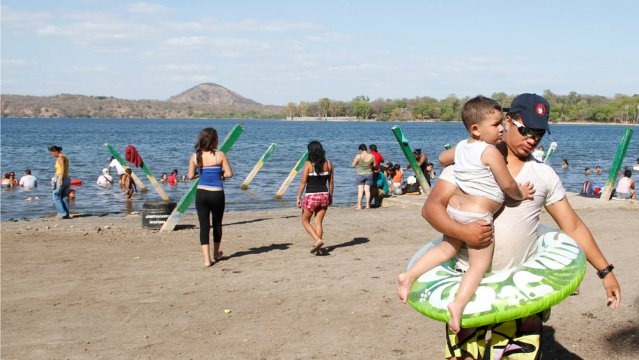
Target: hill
[
  {"x": 206, "y": 100},
  {"x": 212, "y": 94}
]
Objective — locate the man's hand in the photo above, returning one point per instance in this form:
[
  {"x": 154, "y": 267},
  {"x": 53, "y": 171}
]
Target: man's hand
[{"x": 479, "y": 233}]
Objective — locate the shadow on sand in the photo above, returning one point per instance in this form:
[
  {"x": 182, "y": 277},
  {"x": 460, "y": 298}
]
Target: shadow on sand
[{"x": 325, "y": 251}]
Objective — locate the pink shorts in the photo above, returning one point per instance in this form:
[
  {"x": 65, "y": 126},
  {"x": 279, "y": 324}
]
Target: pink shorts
[{"x": 315, "y": 201}]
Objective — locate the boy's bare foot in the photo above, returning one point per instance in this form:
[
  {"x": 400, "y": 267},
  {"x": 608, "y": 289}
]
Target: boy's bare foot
[
  {"x": 403, "y": 287},
  {"x": 208, "y": 264},
  {"x": 455, "y": 316}
]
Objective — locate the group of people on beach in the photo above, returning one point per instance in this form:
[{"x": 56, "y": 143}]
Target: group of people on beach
[
  {"x": 487, "y": 204},
  {"x": 376, "y": 180}
]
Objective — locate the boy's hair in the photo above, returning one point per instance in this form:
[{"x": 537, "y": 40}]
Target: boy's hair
[{"x": 477, "y": 108}]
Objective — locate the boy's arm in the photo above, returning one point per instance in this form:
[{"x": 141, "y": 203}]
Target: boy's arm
[
  {"x": 495, "y": 161},
  {"x": 477, "y": 233},
  {"x": 447, "y": 157},
  {"x": 570, "y": 223}
]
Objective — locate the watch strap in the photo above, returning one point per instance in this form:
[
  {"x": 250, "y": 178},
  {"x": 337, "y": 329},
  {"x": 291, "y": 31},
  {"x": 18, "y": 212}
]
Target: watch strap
[{"x": 605, "y": 271}]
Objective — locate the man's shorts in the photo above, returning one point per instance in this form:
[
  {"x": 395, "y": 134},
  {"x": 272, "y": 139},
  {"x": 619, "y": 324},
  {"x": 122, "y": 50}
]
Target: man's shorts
[
  {"x": 514, "y": 340},
  {"x": 315, "y": 201}
]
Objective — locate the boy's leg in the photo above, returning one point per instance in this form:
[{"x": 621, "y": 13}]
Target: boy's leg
[
  {"x": 433, "y": 257},
  {"x": 480, "y": 260}
]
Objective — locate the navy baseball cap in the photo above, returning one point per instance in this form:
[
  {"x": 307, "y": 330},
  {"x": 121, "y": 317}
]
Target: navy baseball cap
[{"x": 533, "y": 109}]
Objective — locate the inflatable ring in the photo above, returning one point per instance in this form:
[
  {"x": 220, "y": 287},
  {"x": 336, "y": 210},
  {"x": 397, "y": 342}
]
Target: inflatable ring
[
  {"x": 548, "y": 277},
  {"x": 76, "y": 181}
]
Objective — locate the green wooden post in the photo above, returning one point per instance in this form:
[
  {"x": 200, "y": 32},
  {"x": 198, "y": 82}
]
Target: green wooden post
[
  {"x": 189, "y": 196},
  {"x": 408, "y": 152},
  {"x": 616, "y": 165},
  {"x": 289, "y": 179},
  {"x": 257, "y": 167}
]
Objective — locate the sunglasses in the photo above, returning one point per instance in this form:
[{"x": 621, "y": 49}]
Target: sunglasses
[{"x": 528, "y": 132}]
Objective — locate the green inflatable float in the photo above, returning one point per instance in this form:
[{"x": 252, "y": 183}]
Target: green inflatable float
[{"x": 547, "y": 278}]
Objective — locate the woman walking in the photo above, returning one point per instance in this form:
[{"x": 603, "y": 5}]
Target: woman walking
[
  {"x": 317, "y": 179},
  {"x": 60, "y": 183},
  {"x": 213, "y": 168},
  {"x": 363, "y": 175}
]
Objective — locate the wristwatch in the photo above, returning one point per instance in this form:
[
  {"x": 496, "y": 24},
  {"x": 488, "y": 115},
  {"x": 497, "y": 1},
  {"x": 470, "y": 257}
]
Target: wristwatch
[{"x": 605, "y": 271}]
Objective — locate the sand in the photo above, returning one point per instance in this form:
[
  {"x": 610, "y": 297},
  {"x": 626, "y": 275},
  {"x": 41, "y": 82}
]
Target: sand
[{"x": 105, "y": 288}]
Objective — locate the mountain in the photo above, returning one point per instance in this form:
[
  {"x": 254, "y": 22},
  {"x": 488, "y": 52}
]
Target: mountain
[
  {"x": 206, "y": 100},
  {"x": 212, "y": 94}
]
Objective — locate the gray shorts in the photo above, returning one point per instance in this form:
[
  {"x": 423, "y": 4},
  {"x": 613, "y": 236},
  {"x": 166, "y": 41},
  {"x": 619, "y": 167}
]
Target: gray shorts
[{"x": 366, "y": 179}]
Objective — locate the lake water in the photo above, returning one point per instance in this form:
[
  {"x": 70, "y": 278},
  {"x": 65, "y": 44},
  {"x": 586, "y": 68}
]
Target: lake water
[{"x": 166, "y": 144}]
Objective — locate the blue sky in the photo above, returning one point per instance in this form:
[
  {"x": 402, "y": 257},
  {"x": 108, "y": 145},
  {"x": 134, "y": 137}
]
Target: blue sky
[{"x": 276, "y": 52}]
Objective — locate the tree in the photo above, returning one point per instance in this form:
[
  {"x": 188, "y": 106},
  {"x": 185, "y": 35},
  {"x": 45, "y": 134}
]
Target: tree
[
  {"x": 291, "y": 109},
  {"x": 324, "y": 105},
  {"x": 361, "y": 107}
]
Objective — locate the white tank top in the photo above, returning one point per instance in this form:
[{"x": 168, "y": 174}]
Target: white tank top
[{"x": 472, "y": 176}]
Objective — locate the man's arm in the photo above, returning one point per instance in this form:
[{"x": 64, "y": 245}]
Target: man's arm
[
  {"x": 570, "y": 223},
  {"x": 477, "y": 233}
]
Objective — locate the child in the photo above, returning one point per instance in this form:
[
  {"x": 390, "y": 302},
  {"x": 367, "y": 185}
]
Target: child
[
  {"x": 128, "y": 184},
  {"x": 481, "y": 173}
]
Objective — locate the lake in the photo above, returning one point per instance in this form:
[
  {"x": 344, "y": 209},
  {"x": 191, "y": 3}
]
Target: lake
[{"x": 166, "y": 144}]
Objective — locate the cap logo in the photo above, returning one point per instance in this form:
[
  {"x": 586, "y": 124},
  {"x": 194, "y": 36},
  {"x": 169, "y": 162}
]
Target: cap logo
[{"x": 540, "y": 109}]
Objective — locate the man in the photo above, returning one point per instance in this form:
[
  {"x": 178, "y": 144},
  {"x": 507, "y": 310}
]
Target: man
[
  {"x": 379, "y": 158},
  {"x": 515, "y": 232},
  {"x": 118, "y": 168},
  {"x": 28, "y": 181}
]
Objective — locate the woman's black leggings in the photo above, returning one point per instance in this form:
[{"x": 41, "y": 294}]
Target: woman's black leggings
[{"x": 210, "y": 209}]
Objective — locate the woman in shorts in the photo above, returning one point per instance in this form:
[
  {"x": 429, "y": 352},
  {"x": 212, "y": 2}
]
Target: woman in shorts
[
  {"x": 363, "y": 175},
  {"x": 317, "y": 179}
]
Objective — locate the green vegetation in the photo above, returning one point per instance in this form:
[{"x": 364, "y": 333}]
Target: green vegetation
[{"x": 564, "y": 108}]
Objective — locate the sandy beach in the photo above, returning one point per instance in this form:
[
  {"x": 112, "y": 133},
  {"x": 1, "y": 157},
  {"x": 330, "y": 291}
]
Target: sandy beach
[{"x": 105, "y": 288}]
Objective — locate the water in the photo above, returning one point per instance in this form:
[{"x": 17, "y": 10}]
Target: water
[{"x": 166, "y": 144}]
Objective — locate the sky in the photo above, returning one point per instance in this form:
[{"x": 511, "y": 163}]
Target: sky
[{"x": 277, "y": 51}]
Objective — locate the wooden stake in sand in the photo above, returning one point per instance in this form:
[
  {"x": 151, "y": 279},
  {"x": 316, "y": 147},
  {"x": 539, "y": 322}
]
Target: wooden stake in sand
[
  {"x": 408, "y": 152},
  {"x": 257, "y": 167},
  {"x": 289, "y": 179},
  {"x": 616, "y": 165}
]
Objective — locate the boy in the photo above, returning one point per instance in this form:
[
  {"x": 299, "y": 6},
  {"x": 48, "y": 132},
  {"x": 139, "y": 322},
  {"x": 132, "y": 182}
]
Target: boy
[
  {"x": 128, "y": 184},
  {"x": 480, "y": 171}
]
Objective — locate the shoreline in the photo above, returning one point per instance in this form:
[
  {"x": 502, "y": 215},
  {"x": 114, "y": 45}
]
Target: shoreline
[
  {"x": 402, "y": 201},
  {"x": 106, "y": 288}
]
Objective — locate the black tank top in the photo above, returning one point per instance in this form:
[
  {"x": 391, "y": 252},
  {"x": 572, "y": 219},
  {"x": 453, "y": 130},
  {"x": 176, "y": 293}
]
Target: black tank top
[{"x": 316, "y": 183}]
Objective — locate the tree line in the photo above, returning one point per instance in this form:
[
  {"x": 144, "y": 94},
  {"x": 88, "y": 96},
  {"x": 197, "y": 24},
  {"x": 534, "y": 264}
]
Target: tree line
[{"x": 573, "y": 107}]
